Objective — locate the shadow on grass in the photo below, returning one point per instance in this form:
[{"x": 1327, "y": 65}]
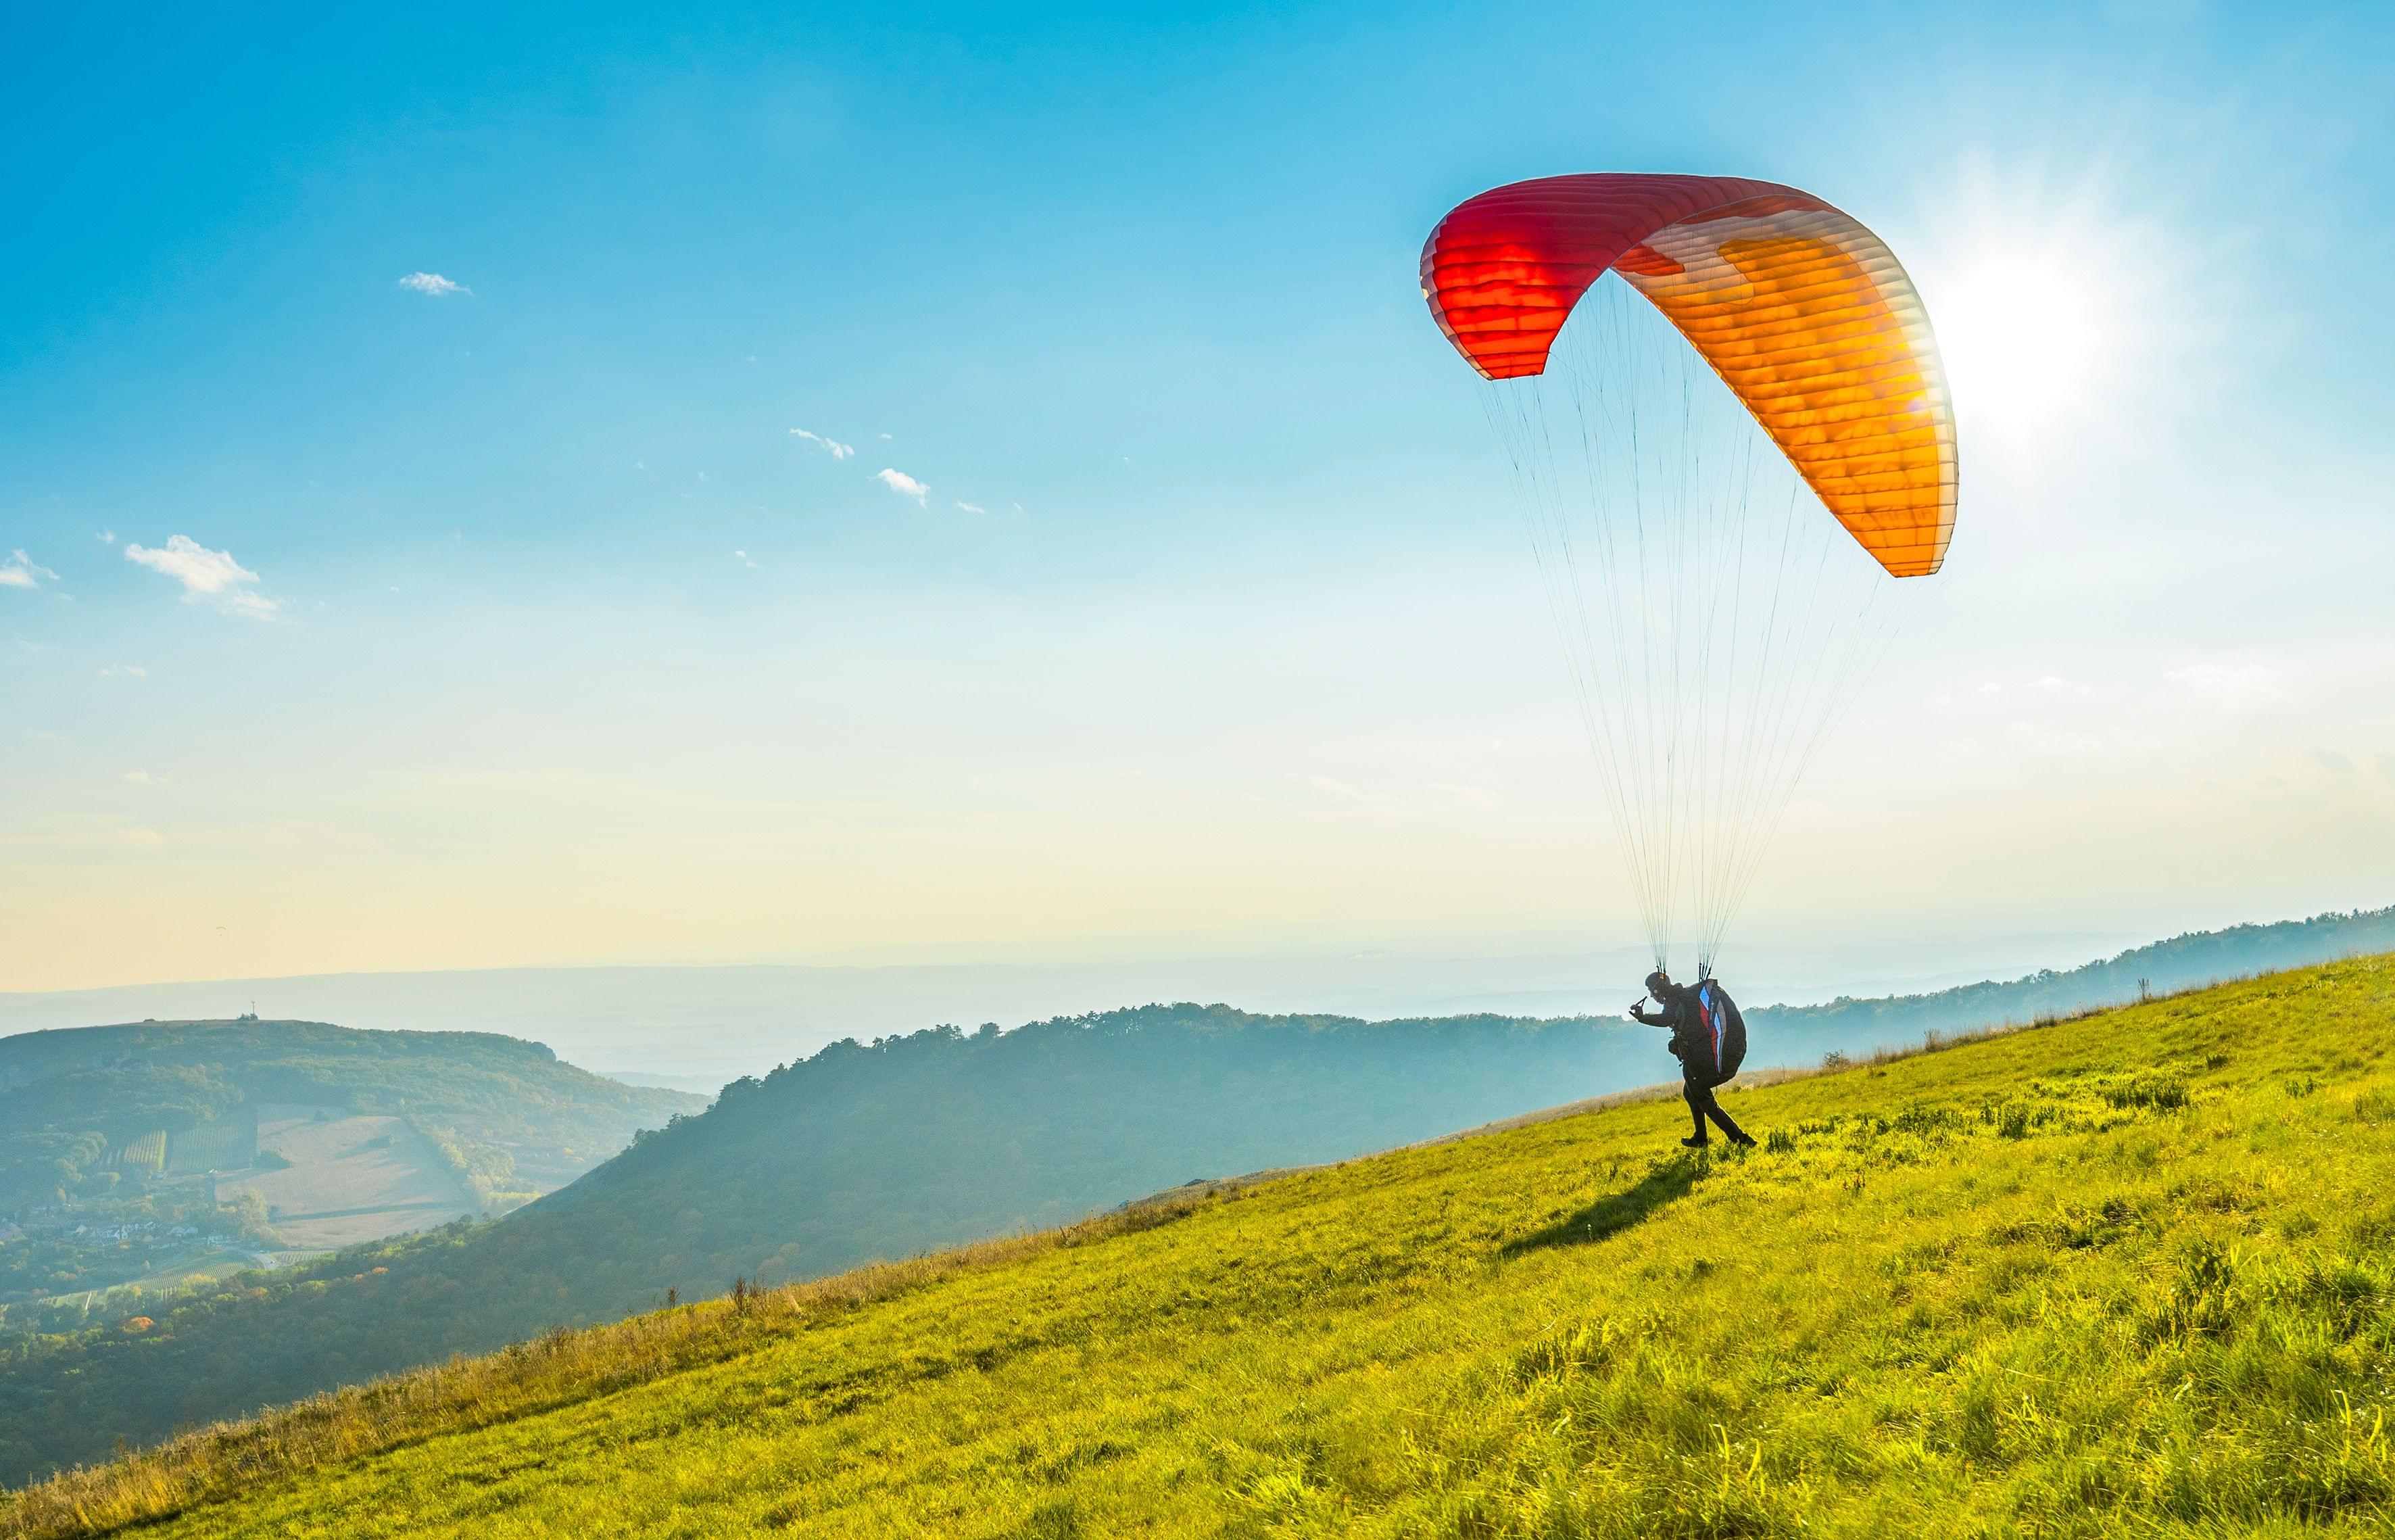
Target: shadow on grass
[{"x": 1616, "y": 1211}]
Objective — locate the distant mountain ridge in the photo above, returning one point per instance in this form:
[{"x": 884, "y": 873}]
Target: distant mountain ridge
[
  {"x": 719, "y": 1021},
  {"x": 1800, "y": 1034}
]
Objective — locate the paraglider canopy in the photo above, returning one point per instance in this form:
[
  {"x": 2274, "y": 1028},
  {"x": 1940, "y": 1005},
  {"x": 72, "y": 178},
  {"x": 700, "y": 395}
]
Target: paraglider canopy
[
  {"x": 1714, "y": 622},
  {"x": 1800, "y": 310}
]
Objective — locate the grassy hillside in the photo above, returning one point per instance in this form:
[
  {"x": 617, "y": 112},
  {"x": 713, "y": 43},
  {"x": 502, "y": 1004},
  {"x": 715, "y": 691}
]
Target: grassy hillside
[
  {"x": 912, "y": 1142},
  {"x": 863, "y": 1151},
  {"x": 2132, "y": 1274},
  {"x": 150, "y": 1151}
]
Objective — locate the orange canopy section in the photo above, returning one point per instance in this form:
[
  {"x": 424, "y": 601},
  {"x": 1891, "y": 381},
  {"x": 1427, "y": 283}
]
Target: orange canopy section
[{"x": 1807, "y": 316}]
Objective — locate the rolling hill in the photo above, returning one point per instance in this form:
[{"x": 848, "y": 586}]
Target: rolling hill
[
  {"x": 2133, "y": 1273},
  {"x": 863, "y": 1151},
  {"x": 150, "y": 1153}
]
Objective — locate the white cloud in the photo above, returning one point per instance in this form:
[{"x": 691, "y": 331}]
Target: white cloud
[
  {"x": 21, "y": 571},
  {"x": 213, "y": 575},
  {"x": 903, "y": 485},
  {"x": 746, "y": 562},
  {"x": 433, "y": 284},
  {"x": 199, "y": 569},
  {"x": 838, "y": 451},
  {"x": 2053, "y": 684},
  {"x": 973, "y": 508},
  {"x": 885, "y": 435},
  {"x": 108, "y": 537},
  {"x": 116, "y": 671},
  {"x": 2230, "y": 683},
  {"x": 255, "y": 605},
  {"x": 143, "y": 778}
]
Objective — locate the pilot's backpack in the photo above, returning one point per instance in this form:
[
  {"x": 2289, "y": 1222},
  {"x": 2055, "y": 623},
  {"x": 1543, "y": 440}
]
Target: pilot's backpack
[{"x": 1724, "y": 1027}]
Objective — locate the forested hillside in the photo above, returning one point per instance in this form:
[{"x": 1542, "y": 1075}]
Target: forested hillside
[{"x": 2129, "y": 1275}]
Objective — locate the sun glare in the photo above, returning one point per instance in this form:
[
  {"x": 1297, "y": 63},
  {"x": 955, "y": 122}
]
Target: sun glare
[{"x": 2022, "y": 337}]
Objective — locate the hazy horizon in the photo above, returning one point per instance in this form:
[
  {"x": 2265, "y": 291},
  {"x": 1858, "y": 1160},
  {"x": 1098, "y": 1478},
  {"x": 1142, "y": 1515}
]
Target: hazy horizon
[{"x": 711, "y": 1022}]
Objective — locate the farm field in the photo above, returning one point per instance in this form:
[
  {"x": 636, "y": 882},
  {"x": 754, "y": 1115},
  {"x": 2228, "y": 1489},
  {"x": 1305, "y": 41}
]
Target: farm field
[
  {"x": 350, "y": 1178},
  {"x": 2131, "y": 1274}
]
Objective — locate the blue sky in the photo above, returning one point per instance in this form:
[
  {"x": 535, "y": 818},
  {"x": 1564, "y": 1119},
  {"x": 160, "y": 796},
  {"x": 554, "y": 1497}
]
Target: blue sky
[{"x": 514, "y": 623}]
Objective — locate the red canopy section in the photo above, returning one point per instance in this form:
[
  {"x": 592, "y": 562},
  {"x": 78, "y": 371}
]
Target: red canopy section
[{"x": 1504, "y": 270}]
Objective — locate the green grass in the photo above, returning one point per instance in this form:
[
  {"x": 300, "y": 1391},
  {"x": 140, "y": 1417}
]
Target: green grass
[{"x": 2132, "y": 1274}]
